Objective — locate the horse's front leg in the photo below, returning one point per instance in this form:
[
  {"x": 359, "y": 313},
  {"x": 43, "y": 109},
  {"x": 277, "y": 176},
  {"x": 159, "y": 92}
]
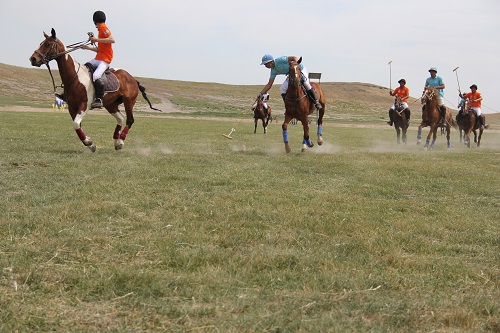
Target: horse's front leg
[
  {"x": 448, "y": 130},
  {"x": 419, "y": 134},
  {"x": 398, "y": 133},
  {"x": 255, "y": 125},
  {"x": 306, "y": 142},
  {"x": 284, "y": 127},
  {"x": 86, "y": 140}
]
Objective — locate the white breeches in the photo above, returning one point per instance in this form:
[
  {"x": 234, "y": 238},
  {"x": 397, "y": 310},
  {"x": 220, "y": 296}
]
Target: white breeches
[
  {"x": 305, "y": 82},
  {"x": 478, "y": 111},
  {"x": 100, "y": 68},
  {"x": 404, "y": 104}
]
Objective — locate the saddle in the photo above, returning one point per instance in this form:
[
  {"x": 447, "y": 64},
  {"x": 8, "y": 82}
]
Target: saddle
[{"x": 111, "y": 83}]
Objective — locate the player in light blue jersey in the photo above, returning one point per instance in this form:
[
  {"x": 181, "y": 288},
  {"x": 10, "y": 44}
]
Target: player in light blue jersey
[{"x": 280, "y": 66}]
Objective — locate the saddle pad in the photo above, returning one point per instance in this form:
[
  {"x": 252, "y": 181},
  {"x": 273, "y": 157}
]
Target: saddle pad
[{"x": 111, "y": 83}]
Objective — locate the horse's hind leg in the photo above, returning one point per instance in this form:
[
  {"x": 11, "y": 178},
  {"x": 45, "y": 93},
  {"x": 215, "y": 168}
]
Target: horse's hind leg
[
  {"x": 129, "y": 104},
  {"x": 419, "y": 135},
  {"x": 86, "y": 140},
  {"x": 255, "y": 125},
  {"x": 398, "y": 134},
  {"x": 116, "y": 135},
  {"x": 448, "y": 143}
]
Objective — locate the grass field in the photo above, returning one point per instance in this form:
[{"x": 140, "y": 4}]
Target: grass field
[{"x": 187, "y": 231}]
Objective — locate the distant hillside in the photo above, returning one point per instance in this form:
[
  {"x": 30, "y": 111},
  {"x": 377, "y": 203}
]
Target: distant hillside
[{"x": 346, "y": 102}]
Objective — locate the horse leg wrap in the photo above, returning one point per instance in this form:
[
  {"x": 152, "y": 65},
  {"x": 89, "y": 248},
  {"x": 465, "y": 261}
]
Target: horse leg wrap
[
  {"x": 80, "y": 134},
  {"x": 320, "y": 130},
  {"x": 449, "y": 144},
  {"x": 285, "y": 136},
  {"x": 124, "y": 133},
  {"x": 308, "y": 142},
  {"x": 432, "y": 143},
  {"x": 116, "y": 134},
  {"x": 419, "y": 135}
]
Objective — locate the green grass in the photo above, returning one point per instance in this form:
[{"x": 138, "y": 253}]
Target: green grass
[{"x": 185, "y": 230}]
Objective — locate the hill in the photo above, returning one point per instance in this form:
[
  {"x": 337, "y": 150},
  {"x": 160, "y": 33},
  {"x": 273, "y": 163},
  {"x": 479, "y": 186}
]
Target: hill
[{"x": 346, "y": 101}]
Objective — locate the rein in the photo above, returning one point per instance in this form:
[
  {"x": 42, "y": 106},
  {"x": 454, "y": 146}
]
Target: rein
[{"x": 46, "y": 59}]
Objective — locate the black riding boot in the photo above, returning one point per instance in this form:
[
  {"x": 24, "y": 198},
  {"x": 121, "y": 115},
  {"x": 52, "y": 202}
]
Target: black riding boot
[
  {"x": 61, "y": 96},
  {"x": 314, "y": 97},
  {"x": 99, "y": 93},
  {"x": 480, "y": 119},
  {"x": 265, "y": 112},
  {"x": 408, "y": 114},
  {"x": 391, "y": 119},
  {"x": 442, "y": 111}
]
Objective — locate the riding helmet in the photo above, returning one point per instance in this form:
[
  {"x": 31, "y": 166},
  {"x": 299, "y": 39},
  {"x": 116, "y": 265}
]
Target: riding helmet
[
  {"x": 267, "y": 58},
  {"x": 99, "y": 17},
  {"x": 402, "y": 80},
  {"x": 473, "y": 86}
]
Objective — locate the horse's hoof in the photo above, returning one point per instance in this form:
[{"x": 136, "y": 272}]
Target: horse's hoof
[
  {"x": 287, "y": 148},
  {"x": 320, "y": 140},
  {"x": 304, "y": 148},
  {"x": 92, "y": 148},
  {"x": 419, "y": 142},
  {"x": 119, "y": 144}
]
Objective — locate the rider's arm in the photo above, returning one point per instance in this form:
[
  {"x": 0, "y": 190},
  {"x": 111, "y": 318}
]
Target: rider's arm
[{"x": 267, "y": 86}]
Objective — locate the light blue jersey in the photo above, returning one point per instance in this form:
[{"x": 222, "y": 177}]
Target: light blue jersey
[
  {"x": 281, "y": 67},
  {"x": 434, "y": 82}
]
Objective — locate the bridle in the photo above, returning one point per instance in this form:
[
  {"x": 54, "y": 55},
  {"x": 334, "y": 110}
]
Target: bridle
[{"x": 295, "y": 81}]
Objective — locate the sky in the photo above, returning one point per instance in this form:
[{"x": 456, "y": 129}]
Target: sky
[{"x": 223, "y": 41}]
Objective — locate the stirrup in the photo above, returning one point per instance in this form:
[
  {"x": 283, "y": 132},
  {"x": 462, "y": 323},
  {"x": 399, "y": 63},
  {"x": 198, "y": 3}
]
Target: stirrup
[
  {"x": 318, "y": 105},
  {"x": 96, "y": 104}
]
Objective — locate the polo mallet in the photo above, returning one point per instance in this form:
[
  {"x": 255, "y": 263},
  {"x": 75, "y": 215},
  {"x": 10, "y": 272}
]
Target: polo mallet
[
  {"x": 234, "y": 128},
  {"x": 390, "y": 74},
  {"x": 459, "y": 90}
]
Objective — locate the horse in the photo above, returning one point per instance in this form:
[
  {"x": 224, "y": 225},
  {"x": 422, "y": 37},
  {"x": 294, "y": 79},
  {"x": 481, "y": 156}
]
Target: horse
[
  {"x": 399, "y": 119},
  {"x": 432, "y": 117},
  {"x": 469, "y": 123},
  {"x": 298, "y": 105},
  {"x": 79, "y": 89},
  {"x": 258, "y": 113}
]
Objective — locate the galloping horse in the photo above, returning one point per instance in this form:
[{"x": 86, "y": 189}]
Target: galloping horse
[
  {"x": 258, "y": 113},
  {"x": 431, "y": 117},
  {"x": 79, "y": 89},
  {"x": 469, "y": 123},
  {"x": 399, "y": 119},
  {"x": 298, "y": 105}
]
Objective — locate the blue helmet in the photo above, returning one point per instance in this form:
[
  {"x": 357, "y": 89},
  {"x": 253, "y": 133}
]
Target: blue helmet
[{"x": 267, "y": 58}]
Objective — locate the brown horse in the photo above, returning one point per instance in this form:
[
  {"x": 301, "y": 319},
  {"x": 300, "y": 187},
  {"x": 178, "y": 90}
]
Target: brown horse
[
  {"x": 298, "y": 105},
  {"x": 259, "y": 113},
  {"x": 469, "y": 123},
  {"x": 399, "y": 119},
  {"x": 79, "y": 89},
  {"x": 431, "y": 117}
]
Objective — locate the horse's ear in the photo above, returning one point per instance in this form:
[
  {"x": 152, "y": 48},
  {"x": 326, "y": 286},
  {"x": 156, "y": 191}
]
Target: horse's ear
[
  {"x": 300, "y": 60},
  {"x": 45, "y": 35},
  {"x": 53, "y": 33}
]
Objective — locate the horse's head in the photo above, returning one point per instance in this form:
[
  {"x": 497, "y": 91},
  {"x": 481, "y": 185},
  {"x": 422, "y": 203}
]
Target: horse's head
[
  {"x": 428, "y": 95},
  {"x": 398, "y": 102},
  {"x": 294, "y": 72},
  {"x": 466, "y": 107},
  {"x": 49, "y": 49}
]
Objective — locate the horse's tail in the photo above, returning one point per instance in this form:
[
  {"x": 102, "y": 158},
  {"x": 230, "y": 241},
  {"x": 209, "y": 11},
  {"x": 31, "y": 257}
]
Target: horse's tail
[
  {"x": 143, "y": 92},
  {"x": 454, "y": 124}
]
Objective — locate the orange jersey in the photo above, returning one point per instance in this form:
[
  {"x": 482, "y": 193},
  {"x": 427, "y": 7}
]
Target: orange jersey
[
  {"x": 104, "y": 51},
  {"x": 403, "y": 93},
  {"x": 472, "y": 98}
]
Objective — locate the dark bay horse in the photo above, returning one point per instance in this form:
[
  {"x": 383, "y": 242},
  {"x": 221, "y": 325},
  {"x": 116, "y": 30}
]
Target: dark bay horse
[
  {"x": 259, "y": 113},
  {"x": 79, "y": 89},
  {"x": 468, "y": 123},
  {"x": 298, "y": 105},
  {"x": 399, "y": 119},
  {"x": 431, "y": 117}
]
